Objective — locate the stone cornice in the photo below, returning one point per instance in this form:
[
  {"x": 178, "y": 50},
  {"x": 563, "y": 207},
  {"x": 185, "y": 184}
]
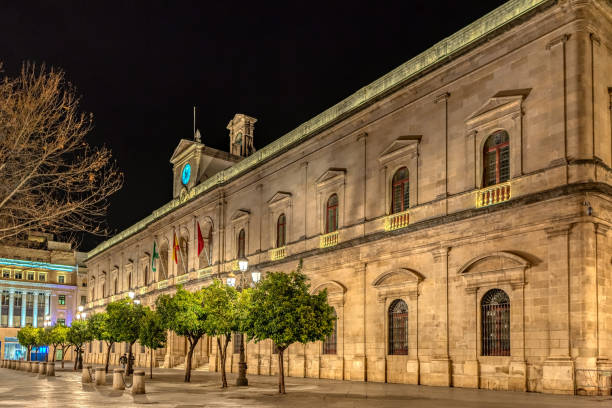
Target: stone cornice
[{"x": 462, "y": 41}]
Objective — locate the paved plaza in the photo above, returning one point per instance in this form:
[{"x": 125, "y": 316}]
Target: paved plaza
[{"x": 21, "y": 389}]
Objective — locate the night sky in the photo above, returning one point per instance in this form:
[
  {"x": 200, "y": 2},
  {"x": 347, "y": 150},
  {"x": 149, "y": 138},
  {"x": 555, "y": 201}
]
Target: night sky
[{"x": 142, "y": 66}]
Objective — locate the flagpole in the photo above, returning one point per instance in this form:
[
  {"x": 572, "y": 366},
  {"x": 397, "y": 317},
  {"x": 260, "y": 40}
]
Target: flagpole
[{"x": 182, "y": 259}]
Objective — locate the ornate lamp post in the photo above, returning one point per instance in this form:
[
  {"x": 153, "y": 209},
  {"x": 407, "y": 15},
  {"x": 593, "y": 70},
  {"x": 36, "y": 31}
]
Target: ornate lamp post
[{"x": 243, "y": 265}]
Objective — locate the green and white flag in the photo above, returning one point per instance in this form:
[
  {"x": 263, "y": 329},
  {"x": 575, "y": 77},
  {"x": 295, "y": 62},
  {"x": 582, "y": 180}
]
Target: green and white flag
[{"x": 154, "y": 257}]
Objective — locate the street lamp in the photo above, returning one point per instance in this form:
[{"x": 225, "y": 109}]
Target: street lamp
[
  {"x": 136, "y": 301},
  {"x": 80, "y": 308},
  {"x": 78, "y": 316},
  {"x": 84, "y": 315},
  {"x": 131, "y": 294}
]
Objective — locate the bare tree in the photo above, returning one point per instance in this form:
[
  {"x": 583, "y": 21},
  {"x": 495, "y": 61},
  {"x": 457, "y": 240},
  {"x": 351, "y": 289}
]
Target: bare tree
[{"x": 52, "y": 180}]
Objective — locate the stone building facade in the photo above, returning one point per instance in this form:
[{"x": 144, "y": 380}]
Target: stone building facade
[
  {"x": 457, "y": 210},
  {"x": 42, "y": 281}
]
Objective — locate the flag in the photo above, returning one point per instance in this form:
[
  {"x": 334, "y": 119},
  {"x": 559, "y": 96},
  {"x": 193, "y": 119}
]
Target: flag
[
  {"x": 154, "y": 257},
  {"x": 175, "y": 250},
  {"x": 200, "y": 240}
]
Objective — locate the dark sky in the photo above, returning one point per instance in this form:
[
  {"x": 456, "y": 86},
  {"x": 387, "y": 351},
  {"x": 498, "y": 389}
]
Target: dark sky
[{"x": 142, "y": 65}]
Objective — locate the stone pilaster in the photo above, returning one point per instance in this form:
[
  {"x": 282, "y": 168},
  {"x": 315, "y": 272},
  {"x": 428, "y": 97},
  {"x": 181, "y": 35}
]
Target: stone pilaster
[
  {"x": 558, "y": 368},
  {"x": 11, "y": 306},
  {"x": 24, "y": 297},
  {"x": 47, "y": 303},
  {"x": 358, "y": 365},
  {"x": 441, "y": 364},
  {"x": 35, "y": 311}
]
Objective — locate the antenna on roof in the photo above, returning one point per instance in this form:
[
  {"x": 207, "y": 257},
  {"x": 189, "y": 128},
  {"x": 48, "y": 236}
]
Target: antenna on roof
[{"x": 196, "y": 133}]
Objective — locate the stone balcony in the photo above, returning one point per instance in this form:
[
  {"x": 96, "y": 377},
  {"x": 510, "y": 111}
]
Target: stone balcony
[
  {"x": 277, "y": 253},
  {"x": 329, "y": 240},
  {"x": 397, "y": 220},
  {"x": 493, "y": 195}
]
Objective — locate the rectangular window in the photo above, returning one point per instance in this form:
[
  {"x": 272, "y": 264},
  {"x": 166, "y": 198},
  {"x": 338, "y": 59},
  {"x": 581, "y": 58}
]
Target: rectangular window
[
  {"x": 83, "y": 300},
  {"x": 237, "y": 342},
  {"x": 142, "y": 349},
  {"x": 6, "y": 273},
  {"x": 31, "y": 276},
  {"x": 61, "y": 299},
  {"x": 61, "y": 322},
  {"x": 100, "y": 347},
  {"x": 113, "y": 348},
  {"x": 42, "y": 277},
  {"x": 61, "y": 279},
  {"x": 18, "y": 275}
]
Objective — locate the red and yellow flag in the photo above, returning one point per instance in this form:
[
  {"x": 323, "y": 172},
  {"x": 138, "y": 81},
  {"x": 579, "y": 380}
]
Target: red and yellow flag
[{"x": 175, "y": 249}]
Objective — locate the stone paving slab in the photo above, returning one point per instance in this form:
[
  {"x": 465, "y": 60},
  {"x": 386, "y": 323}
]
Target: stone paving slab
[{"x": 22, "y": 389}]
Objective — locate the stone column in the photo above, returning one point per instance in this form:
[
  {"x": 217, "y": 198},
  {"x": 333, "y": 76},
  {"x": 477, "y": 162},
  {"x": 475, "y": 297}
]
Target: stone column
[
  {"x": 11, "y": 306},
  {"x": 558, "y": 368},
  {"x": 24, "y": 297},
  {"x": 35, "y": 311},
  {"x": 47, "y": 303},
  {"x": 440, "y": 373}
]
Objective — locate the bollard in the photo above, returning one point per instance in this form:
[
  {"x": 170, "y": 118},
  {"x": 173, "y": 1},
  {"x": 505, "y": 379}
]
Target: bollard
[
  {"x": 42, "y": 368},
  {"x": 100, "y": 376},
  {"x": 30, "y": 366},
  {"x": 18, "y": 365},
  {"x": 51, "y": 369},
  {"x": 13, "y": 364},
  {"x": 118, "y": 383},
  {"x": 138, "y": 383},
  {"x": 3, "y": 363},
  {"x": 22, "y": 365},
  {"x": 85, "y": 376},
  {"x": 35, "y": 367}
]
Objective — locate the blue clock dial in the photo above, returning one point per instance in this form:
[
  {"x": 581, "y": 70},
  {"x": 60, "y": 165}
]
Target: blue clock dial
[{"x": 186, "y": 174}]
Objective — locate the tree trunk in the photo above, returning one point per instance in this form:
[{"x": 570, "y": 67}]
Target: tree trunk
[
  {"x": 30, "y": 353},
  {"x": 192, "y": 344},
  {"x": 54, "y": 351},
  {"x": 151, "y": 350},
  {"x": 76, "y": 358},
  {"x": 129, "y": 368},
  {"x": 223, "y": 355},
  {"x": 108, "y": 350},
  {"x": 281, "y": 372},
  {"x": 80, "y": 356}
]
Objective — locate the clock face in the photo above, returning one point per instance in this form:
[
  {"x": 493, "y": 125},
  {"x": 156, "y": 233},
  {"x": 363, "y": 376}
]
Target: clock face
[{"x": 186, "y": 174}]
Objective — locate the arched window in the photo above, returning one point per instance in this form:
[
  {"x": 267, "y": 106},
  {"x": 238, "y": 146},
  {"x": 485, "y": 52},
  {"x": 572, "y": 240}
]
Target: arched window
[
  {"x": 146, "y": 275},
  {"x": 496, "y": 159},
  {"x": 331, "y": 214},
  {"x": 398, "y": 328},
  {"x": 495, "y": 316},
  {"x": 400, "y": 199},
  {"x": 129, "y": 280},
  {"x": 281, "y": 228},
  {"x": 162, "y": 270},
  {"x": 183, "y": 256},
  {"x": 241, "y": 238},
  {"x": 331, "y": 341},
  {"x": 115, "y": 290},
  {"x": 103, "y": 290},
  {"x": 206, "y": 253}
]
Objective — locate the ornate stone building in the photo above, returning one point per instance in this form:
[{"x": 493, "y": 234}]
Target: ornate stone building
[
  {"x": 457, "y": 210},
  {"x": 43, "y": 282}
]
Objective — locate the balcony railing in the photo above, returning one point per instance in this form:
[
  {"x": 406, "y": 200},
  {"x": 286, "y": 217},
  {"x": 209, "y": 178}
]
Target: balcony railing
[
  {"x": 142, "y": 290},
  {"x": 235, "y": 266},
  {"x": 397, "y": 221},
  {"x": 493, "y": 195},
  {"x": 329, "y": 240},
  {"x": 162, "y": 284},
  {"x": 181, "y": 278},
  {"x": 204, "y": 272},
  {"x": 277, "y": 253}
]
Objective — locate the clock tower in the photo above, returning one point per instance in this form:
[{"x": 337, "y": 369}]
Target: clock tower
[{"x": 241, "y": 129}]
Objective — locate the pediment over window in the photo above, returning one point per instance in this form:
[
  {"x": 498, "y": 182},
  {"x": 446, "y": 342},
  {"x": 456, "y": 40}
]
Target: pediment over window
[
  {"x": 335, "y": 291},
  {"x": 402, "y": 146},
  {"x": 279, "y": 197},
  {"x": 398, "y": 282},
  {"x": 240, "y": 215},
  {"x": 501, "y": 104},
  {"x": 493, "y": 269},
  {"x": 331, "y": 176}
]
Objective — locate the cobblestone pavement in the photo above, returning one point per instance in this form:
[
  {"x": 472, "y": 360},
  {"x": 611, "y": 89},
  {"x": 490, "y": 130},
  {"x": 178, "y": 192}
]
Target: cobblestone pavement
[{"x": 21, "y": 389}]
